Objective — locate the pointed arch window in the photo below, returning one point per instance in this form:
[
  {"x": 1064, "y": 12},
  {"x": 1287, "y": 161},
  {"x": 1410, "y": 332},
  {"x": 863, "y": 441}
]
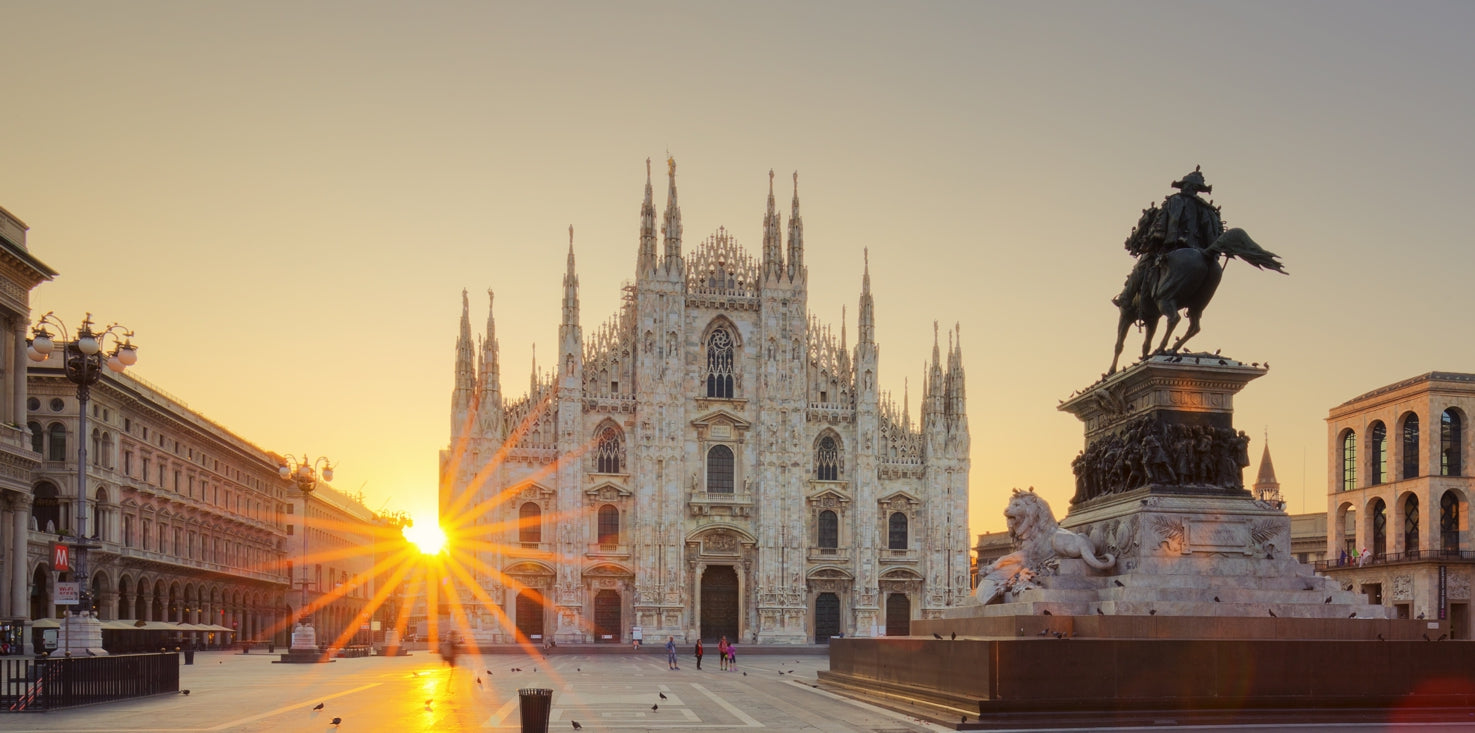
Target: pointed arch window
[
  {"x": 1450, "y": 442},
  {"x": 609, "y": 525},
  {"x": 1377, "y": 448},
  {"x": 1449, "y": 522},
  {"x": 827, "y": 459},
  {"x": 1411, "y": 525},
  {"x": 720, "y": 364},
  {"x": 1349, "y": 460},
  {"x": 720, "y": 470},
  {"x": 828, "y": 530},
  {"x": 896, "y": 534},
  {"x": 530, "y": 523},
  {"x": 610, "y": 450},
  {"x": 1411, "y": 446}
]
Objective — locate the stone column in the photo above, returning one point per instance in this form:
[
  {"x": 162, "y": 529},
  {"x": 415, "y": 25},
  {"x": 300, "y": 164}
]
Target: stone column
[
  {"x": 148, "y": 605},
  {"x": 18, "y": 367},
  {"x": 7, "y": 562},
  {"x": 20, "y": 514},
  {"x": 107, "y": 605}
]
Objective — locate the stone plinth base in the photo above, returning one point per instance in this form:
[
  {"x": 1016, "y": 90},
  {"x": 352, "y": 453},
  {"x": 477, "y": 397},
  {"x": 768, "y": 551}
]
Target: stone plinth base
[
  {"x": 1104, "y": 678},
  {"x": 304, "y": 638},
  {"x": 304, "y": 656},
  {"x": 80, "y": 635}
]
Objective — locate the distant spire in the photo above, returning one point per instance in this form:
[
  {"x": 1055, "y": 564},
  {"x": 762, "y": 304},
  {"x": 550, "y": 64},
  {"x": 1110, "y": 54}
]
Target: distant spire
[
  {"x": 671, "y": 229},
  {"x": 867, "y": 322},
  {"x": 647, "y": 258},
  {"x": 773, "y": 238},
  {"x": 906, "y": 402},
  {"x": 490, "y": 378},
  {"x": 1266, "y": 487},
  {"x": 796, "y": 235},
  {"x": 463, "y": 391}
]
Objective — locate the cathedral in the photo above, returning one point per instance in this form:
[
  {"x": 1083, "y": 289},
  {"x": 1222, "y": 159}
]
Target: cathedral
[{"x": 711, "y": 461}]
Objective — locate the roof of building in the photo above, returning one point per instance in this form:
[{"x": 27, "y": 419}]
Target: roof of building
[
  {"x": 1267, "y": 469},
  {"x": 1457, "y": 377}
]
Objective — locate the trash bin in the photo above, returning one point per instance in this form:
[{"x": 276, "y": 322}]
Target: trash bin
[
  {"x": 534, "y": 705},
  {"x": 189, "y": 656}
]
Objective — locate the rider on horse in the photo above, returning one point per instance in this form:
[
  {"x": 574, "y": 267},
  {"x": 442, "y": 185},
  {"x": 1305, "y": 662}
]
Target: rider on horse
[{"x": 1185, "y": 220}]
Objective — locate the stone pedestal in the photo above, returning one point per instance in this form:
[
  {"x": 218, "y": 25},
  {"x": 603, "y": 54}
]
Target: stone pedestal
[
  {"x": 304, "y": 638},
  {"x": 80, "y": 635}
]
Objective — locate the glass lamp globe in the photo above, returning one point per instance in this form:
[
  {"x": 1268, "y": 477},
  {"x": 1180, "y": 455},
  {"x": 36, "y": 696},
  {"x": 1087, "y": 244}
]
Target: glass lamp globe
[{"x": 87, "y": 344}]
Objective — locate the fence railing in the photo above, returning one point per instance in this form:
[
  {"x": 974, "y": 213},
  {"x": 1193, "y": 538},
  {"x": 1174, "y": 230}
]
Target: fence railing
[
  {"x": 1395, "y": 557},
  {"x": 47, "y": 684}
]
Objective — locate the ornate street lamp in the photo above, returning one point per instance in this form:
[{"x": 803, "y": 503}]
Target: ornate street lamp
[
  {"x": 83, "y": 360},
  {"x": 304, "y": 472}
]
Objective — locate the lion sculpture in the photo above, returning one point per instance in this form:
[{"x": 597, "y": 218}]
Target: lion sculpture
[{"x": 1040, "y": 543}]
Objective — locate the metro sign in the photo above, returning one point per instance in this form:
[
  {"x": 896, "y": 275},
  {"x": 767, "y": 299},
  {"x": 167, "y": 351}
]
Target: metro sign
[{"x": 61, "y": 557}]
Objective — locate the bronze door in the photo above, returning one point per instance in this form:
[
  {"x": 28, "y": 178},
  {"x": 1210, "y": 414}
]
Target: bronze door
[
  {"x": 607, "y": 617},
  {"x": 529, "y": 615},
  {"x": 826, "y": 617},
  {"x": 898, "y": 615},
  {"x": 719, "y": 603}
]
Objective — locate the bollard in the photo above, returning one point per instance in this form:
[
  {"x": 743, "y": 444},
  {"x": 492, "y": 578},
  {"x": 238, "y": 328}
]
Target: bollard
[{"x": 534, "y": 705}]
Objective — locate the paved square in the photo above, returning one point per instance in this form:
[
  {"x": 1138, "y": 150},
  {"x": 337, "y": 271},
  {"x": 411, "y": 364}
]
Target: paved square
[{"x": 610, "y": 692}]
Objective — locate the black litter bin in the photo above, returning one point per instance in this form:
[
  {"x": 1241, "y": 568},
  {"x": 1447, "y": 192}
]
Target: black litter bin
[
  {"x": 189, "y": 656},
  {"x": 534, "y": 705}
]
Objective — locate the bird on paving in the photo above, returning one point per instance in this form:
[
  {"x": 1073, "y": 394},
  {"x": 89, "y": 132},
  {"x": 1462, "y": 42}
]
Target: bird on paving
[
  {"x": 414, "y": 674},
  {"x": 320, "y": 706},
  {"x": 1328, "y": 600},
  {"x": 1352, "y": 615},
  {"x": 1046, "y": 612},
  {"x": 1152, "y": 611},
  {"x": 937, "y": 636},
  {"x": 478, "y": 680},
  {"x": 1442, "y": 637},
  {"x": 184, "y": 692},
  {"x": 745, "y": 674},
  {"x": 662, "y": 694},
  {"x": 655, "y": 707},
  {"x": 1272, "y": 611},
  {"x": 1099, "y": 612},
  {"x": 337, "y": 721},
  {"x": 1044, "y": 632},
  {"x": 1380, "y": 638},
  {"x": 1216, "y": 599},
  {"x": 489, "y": 673},
  {"x": 1426, "y": 638},
  {"x": 964, "y": 720},
  {"x": 576, "y": 725},
  {"x": 1119, "y": 583},
  {"x": 953, "y": 636}
]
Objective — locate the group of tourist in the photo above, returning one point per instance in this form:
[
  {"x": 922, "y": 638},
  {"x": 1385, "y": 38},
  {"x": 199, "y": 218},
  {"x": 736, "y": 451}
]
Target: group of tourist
[{"x": 726, "y": 651}]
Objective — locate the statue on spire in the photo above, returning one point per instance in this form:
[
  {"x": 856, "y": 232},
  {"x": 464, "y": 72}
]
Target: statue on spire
[{"x": 1180, "y": 249}]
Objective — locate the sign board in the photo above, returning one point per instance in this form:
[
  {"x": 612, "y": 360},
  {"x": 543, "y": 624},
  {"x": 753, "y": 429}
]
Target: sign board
[
  {"x": 1443, "y": 591},
  {"x": 68, "y": 594},
  {"x": 61, "y": 558}
]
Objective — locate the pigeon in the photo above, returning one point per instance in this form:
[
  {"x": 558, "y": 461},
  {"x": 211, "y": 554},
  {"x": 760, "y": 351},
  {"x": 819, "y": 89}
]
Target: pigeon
[
  {"x": 489, "y": 673},
  {"x": 336, "y": 721},
  {"x": 319, "y": 706},
  {"x": 1442, "y": 637},
  {"x": 414, "y": 674},
  {"x": 1046, "y": 612},
  {"x": 478, "y": 680},
  {"x": 429, "y": 700},
  {"x": 1216, "y": 599},
  {"x": 745, "y": 674},
  {"x": 662, "y": 694},
  {"x": 1380, "y": 638},
  {"x": 937, "y": 636},
  {"x": 964, "y": 720},
  {"x": 655, "y": 707},
  {"x": 954, "y": 637},
  {"x": 1426, "y": 638},
  {"x": 1119, "y": 583},
  {"x": 1223, "y": 363},
  {"x": 184, "y": 692},
  {"x": 535, "y": 669},
  {"x": 576, "y": 725},
  {"x": 1328, "y": 600},
  {"x": 1059, "y": 635},
  {"x": 1421, "y": 616},
  {"x": 1352, "y": 615},
  {"x": 1044, "y": 632},
  {"x": 576, "y": 669},
  {"x": 1099, "y": 613},
  {"x": 1152, "y": 611},
  {"x": 1216, "y": 352},
  {"x": 1272, "y": 612}
]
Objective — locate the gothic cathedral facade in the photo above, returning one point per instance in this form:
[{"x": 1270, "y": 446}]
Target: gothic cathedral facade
[{"x": 710, "y": 462}]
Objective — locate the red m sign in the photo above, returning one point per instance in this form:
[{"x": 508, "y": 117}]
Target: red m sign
[{"x": 61, "y": 558}]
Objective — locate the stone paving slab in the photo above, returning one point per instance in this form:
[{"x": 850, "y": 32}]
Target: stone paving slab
[{"x": 247, "y": 693}]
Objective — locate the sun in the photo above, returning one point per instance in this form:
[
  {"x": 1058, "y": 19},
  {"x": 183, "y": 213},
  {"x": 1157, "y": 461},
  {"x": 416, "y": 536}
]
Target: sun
[{"x": 426, "y": 535}]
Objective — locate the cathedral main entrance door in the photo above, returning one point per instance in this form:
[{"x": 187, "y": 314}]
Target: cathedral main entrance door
[
  {"x": 826, "y": 617},
  {"x": 720, "y": 603},
  {"x": 898, "y": 615},
  {"x": 607, "y": 617},
  {"x": 529, "y": 615}
]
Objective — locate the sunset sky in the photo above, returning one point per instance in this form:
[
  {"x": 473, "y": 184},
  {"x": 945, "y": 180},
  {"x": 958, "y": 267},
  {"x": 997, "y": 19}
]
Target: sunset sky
[{"x": 285, "y": 200}]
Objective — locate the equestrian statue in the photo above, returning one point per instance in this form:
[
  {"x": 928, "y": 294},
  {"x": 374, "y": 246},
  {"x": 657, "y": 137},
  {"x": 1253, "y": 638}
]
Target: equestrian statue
[{"x": 1180, "y": 250}]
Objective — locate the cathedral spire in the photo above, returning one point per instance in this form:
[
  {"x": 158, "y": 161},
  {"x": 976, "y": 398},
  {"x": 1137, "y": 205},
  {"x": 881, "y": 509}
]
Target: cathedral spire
[
  {"x": 796, "y": 235},
  {"x": 867, "y": 324},
  {"x": 1266, "y": 487},
  {"x": 463, "y": 391},
  {"x": 773, "y": 238},
  {"x": 647, "y": 259},
  {"x": 672, "y": 227},
  {"x": 491, "y": 371},
  {"x": 570, "y": 286}
]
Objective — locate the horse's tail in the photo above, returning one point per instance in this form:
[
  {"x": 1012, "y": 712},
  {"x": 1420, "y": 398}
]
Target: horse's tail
[{"x": 1236, "y": 243}]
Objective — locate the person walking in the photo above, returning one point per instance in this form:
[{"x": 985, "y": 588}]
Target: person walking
[
  {"x": 671, "y": 652},
  {"x": 722, "y": 653},
  {"x": 699, "y": 653},
  {"x": 732, "y": 656}
]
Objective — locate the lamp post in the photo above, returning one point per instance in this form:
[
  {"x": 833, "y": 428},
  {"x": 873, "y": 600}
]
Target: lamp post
[
  {"x": 83, "y": 359},
  {"x": 304, "y": 472}
]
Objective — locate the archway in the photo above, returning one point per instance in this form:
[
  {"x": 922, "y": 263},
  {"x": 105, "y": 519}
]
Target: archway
[
  {"x": 898, "y": 615},
  {"x": 607, "y": 623},
  {"x": 529, "y": 615},
  {"x": 826, "y": 617},
  {"x": 41, "y": 593},
  {"x": 720, "y": 610}
]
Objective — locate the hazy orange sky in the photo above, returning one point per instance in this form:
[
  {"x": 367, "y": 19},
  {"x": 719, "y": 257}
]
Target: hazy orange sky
[{"x": 285, "y": 200}]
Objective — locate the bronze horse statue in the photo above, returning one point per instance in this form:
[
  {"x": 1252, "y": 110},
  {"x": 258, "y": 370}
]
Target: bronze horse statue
[{"x": 1185, "y": 278}]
